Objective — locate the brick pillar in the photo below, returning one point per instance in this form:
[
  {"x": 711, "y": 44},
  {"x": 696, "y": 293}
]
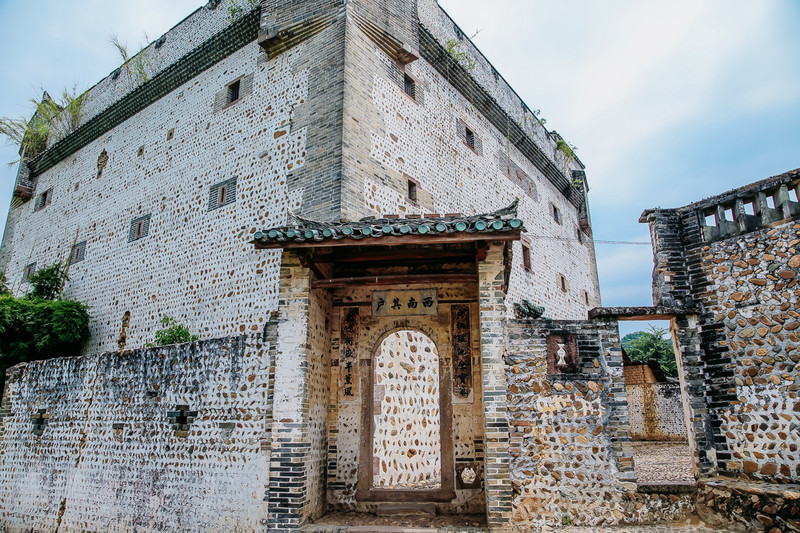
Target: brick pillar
[
  {"x": 290, "y": 456},
  {"x": 491, "y": 274}
]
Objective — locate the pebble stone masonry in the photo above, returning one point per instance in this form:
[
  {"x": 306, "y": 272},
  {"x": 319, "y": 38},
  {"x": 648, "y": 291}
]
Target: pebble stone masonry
[{"x": 237, "y": 189}]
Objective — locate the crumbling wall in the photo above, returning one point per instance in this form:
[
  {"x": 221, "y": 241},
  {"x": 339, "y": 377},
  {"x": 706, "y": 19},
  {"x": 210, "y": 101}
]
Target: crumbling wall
[
  {"x": 167, "y": 438},
  {"x": 740, "y": 263},
  {"x": 570, "y": 458}
]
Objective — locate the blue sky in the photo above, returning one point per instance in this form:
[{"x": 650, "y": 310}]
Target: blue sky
[{"x": 667, "y": 102}]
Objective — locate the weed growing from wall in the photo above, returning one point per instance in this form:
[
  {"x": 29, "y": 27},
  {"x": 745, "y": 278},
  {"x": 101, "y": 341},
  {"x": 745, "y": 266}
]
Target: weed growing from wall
[{"x": 172, "y": 333}]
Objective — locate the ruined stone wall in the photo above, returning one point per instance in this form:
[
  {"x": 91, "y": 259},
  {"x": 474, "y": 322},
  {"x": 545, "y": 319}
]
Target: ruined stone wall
[
  {"x": 349, "y": 386},
  {"x": 165, "y": 439},
  {"x": 570, "y": 456},
  {"x": 195, "y": 262},
  {"x": 421, "y": 139},
  {"x": 655, "y": 411},
  {"x": 756, "y": 300},
  {"x": 733, "y": 259}
]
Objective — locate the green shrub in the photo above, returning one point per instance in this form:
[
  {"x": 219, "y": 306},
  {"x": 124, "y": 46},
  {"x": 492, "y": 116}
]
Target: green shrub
[
  {"x": 172, "y": 333},
  {"x": 34, "y": 328}
]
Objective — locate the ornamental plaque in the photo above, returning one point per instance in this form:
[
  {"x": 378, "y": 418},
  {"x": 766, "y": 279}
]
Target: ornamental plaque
[
  {"x": 562, "y": 354},
  {"x": 404, "y": 303}
]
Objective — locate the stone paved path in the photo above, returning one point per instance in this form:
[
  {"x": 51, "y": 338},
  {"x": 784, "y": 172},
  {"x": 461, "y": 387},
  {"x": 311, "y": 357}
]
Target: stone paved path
[{"x": 660, "y": 462}]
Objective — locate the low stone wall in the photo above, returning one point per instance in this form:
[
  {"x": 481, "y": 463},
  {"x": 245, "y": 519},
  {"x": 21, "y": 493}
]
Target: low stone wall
[
  {"x": 655, "y": 411},
  {"x": 162, "y": 439}
]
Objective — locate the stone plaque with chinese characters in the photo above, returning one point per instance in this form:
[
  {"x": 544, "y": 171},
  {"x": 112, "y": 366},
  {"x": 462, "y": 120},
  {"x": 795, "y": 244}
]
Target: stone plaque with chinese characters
[
  {"x": 348, "y": 354},
  {"x": 562, "y": 354},
  {"x": 403, "y": 303}
]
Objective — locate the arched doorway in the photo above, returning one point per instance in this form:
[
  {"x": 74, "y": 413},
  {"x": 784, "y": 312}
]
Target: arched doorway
[
  {"x": 406, "y": 425},
  {"x": 408, "y": 422}
]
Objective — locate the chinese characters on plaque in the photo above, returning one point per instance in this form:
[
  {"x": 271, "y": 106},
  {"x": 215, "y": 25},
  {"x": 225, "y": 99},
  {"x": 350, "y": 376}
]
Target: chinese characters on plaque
[
  {"x": 403, "y": 303},
  {"x": 462, "y": 351},
  {"x": 348, "y": 354},
  {"x": 562, "y": 354}
]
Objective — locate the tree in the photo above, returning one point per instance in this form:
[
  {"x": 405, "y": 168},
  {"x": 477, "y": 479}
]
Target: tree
[{"x": 643, "y": 346}]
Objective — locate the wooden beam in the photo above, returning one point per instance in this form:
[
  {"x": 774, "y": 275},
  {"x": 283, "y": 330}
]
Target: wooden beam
[
  {"x": 395, "y": 255},
  {"x": 408, "y": 279},
  {"x": 394, "y": 240}
]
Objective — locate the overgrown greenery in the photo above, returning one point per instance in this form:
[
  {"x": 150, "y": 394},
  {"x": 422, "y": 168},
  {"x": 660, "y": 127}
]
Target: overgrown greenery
[
  {"x": 461, "y": 57},
  {"x": 40, "y": 325},
  {"x": 61, "y": 115},
  {"x": 172, "y": 333},
  {"x": 565, "y": 148},
  {"x": 139, "y": 67},
  {"x": 234, "y": 9},
  {"x": 642, "y": 346}
]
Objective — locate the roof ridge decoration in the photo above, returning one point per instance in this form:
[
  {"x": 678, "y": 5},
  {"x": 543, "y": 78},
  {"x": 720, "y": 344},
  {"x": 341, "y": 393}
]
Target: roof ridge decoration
[{"x": 374, "y": 228}]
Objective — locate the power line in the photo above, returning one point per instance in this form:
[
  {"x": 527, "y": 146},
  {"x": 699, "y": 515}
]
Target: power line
[{"x": 596, "y": 241}]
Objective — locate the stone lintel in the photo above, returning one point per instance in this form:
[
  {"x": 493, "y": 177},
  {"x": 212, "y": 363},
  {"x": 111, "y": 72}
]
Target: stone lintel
[{"x": 638, "y": 313}]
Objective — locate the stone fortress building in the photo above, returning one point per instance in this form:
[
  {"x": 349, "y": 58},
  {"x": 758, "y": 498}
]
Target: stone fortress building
[{"x": 389, "y": 262}]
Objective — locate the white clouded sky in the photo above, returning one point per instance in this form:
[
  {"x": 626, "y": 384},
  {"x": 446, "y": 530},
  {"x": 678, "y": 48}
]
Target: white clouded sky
[{"x": 667, "y": 101}]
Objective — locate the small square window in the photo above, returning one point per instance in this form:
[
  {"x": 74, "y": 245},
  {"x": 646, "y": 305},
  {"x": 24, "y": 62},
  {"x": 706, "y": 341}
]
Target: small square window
[
  {"x": 222, "y": 194},
  {"x": 526, "y": 257},
  {"x": 771, "y": 201},
  {"x": 749, "y": 208},
  {"x": 28, "y": 271},
  {"x": 580, "y": 235},
  {"x": 78, "y": 253},
  {"x": 233, "y": 91},
  {"x": 710, "y": 219},
  {"x": 409, "y": 86},
  {"x": 556, "y": 214},
  {"x": 793, "y": 195},
  {"x": 140, "y": 227}
]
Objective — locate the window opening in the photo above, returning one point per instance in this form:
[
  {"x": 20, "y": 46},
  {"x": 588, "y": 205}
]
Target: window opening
[
  {"x": 793, "y": 195},
  {"x": 78, "y": 253},
  {"x": 526, "y": 257},
  {"x": 771, "y": 201},
  {"x": 28, "y": 271},
  {"x": 233, "y": 91},
  {"x": 580, "y": 235},
  {"x": 44, "y": 199},
  {"x": 556, "y": 214},
  {"x": 412, "y": 191},
  {"x": 469, "y": 138},
  {"x": 562, "y": 281},
  {"x": 710, "y": 219},
  {"x": 140, "y": 152},
  {"x": 139, "y": 231},
  {"x": 222, "y": 194},
  {"x": 586, "y": 297},
  {"x": 749, "y": 208},
  {"x": 409, "y": 86},
  {"x": 729, "y": 214}
]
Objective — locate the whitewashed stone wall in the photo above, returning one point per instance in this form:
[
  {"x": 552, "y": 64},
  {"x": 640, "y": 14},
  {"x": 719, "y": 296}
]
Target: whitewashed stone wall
[
  {"x": 420, "y": 139},
  {"x": 196, "y": 265},
  {"x": 109, "y": 457}
]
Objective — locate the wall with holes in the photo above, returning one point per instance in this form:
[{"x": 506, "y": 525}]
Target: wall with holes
[
  {"x": 163, "y": 439},
  {"x": 194, "y": 262},
  {"x": 421, "y": 138},
  {"x": 400, "y": 457}
]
